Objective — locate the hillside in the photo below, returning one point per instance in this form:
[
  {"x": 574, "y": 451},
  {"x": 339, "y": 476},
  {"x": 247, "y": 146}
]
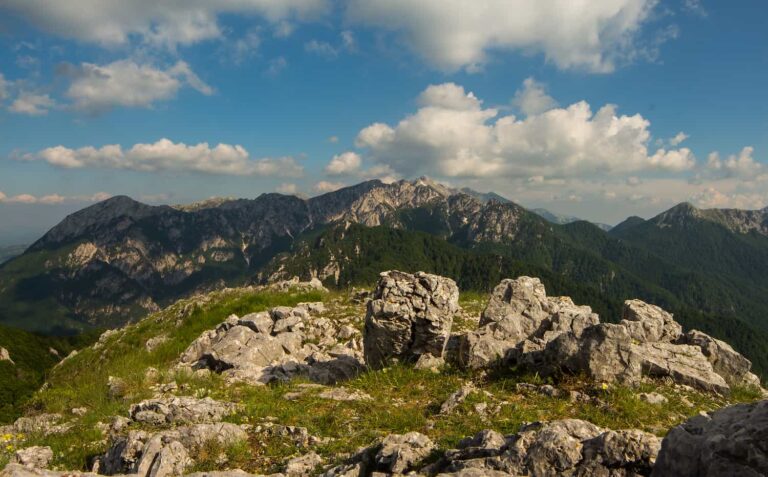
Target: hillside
[
  {"x": 29, "y": 359},
  {"x": 144, "y": 384},
  {"x": 10, "y": 251}
]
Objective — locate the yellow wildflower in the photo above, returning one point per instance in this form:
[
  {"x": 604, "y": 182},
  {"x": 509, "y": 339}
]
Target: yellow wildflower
[
  {"x": 605, "y": 386},
  {"x": 9, "y": 447}
]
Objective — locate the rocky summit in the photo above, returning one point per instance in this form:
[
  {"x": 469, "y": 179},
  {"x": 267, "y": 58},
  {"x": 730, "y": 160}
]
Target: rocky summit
[{"x": 412, "y": 378}]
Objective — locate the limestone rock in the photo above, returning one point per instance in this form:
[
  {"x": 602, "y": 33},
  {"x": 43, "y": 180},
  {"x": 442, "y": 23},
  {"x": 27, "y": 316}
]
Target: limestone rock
[
  {"x": 303, "y": 465},
  {"x": 726, "y": 362},
  {"x": 180, "y": 410},
  {"x": 603, "y": 352},
  {"x": 565, "y": 447},
  {"x": 685, "y": 364},
  {"x": 727, "y": 442},
  {"x": 343, "y": 394},
  {"x": 398, "y": 453},
  {"x": 653, "y": 398},
  {"x": 518, "y": 307},
  {"x": 409, "y": 316},
  {"x": 36, "y": 457},
  {"x": 649, "y": 323},
  {"x": 455, "y": 399}
]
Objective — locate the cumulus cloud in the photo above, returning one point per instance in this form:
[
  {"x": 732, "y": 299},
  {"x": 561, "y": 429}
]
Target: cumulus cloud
[
  {"x": 713, "y": 198},
  {"x": 326, "y": 186},
  {"x": 679, "y": 138},
  {"x": 166, "y": 23},
  {"x": 344, "y": 164},
  {"x": 741, "y": 165},
  {"x": 52, "y": 199},
  {"x": 165, "y": 155},
  {"x": 97, "y": 88},
  {"x": 327, "y": 50},
  {"x": 453, "y": 135},
  {"x": 454, "y": 34},
  {"x": 532, "y": 98},
  {"x": 32, "y": 104}
]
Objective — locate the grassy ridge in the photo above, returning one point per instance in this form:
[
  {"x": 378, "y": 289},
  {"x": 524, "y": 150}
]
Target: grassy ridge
[{"x": 404, "y": 399}]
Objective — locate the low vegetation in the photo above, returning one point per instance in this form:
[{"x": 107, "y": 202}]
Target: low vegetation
[{"x": 403, "y": 399}]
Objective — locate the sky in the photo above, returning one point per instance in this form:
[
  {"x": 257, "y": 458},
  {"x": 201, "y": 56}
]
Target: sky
[{"x": 596, "y": 108}]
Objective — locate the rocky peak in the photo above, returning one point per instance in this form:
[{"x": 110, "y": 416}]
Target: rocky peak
[
  {"x": 99, "y": 214},
  {"x": 735, "y": 220}
]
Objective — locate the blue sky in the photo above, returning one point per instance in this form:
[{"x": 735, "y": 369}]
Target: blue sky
[{"x": 305, "y": 96}]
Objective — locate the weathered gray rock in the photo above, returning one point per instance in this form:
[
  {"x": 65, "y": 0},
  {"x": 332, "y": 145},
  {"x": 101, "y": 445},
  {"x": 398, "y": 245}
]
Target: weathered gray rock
[
  {"x": 45, "y": 424},
  {"x": 653, "y": 398},
  {"x": 685, "y": 364},
  {"x": 163, "y": 453},
  {"x": 399, "y": 453},
  {"x": 409, "y": 316},
  {"x": 36, "y": 457},
  {"x": 18, "y": 470},
  {"x": 344, "y": 394},
  {"x": 565, "y": 447},
  {"x": 116, "y": 387},
  {"x": 518, "y": 312},
  {"x": 603, "y": 353},
  {"x": 726, "y": 362},
  {"x": 649, "y": 323},
  {"x": 455, "y": 399},
  {"x": 303, "y": 466},
  {"x": 274, "y": 346},
  {"x": 727, "y": 442},
  {"x": 180, "y": 410}
]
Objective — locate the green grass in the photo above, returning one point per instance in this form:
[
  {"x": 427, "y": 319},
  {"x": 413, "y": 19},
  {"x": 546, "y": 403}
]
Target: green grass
[{"x": 404, "y": 399}]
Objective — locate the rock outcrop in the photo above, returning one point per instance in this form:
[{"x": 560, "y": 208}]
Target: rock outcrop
[
  {"x": 276, "y": 345},
  {"x": 522, "y": 326},
  {"x": 36, "y": 457},
  {"x": 409, "y": 318},
  {"x": 180, "y": 410},
  {"x": 5, "y": 355},
  {"x": 727, "y": 442},
  {"x": 519, "y": 311}
]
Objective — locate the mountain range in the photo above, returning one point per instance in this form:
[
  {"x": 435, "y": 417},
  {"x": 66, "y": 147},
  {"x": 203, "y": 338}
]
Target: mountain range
[{"x": 113, "y": 262}]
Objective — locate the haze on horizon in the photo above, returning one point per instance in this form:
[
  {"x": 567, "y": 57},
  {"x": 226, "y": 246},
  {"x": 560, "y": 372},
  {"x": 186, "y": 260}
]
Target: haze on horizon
[{"x": 612, "y": 109}]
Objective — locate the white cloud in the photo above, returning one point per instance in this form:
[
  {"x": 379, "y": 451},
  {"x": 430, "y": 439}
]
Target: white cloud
[
  {"x": 533, "y": 98},
  {"x": 52, "y": 199},
  {"x": 246, "y": 47},
  {"x": 327, "y": 50},
  {"x": 32, "y": 104},
  {"x": 165, "y": 155},
  {"x": 276, "y": 66},
  {"x": 453, "y": 135},
  {"x": 326, "y": 186},
  {"x": 742, "y": 166},
  {"x": 321, "y": 48},
  {"x": 333, "y": 139},
  {"x": 713, "y": 198},
  {"x": 679, "y": 138},
  {"x": 97, "y": 88},
  {"x": 344, "y": 164},
  {"x": 454, "y": 34},
  {"x": 166, "y": 23},
  {"x": 287, "y": 188}
]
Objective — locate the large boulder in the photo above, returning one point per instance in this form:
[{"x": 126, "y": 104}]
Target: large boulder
[
  {"x": 602, "y": 352},
  {"x": 726, "y": 362},
  {"x": 519, "y": 311},
  {"x": 410, "y": 316},
  {"x": 728, "y": 442},
  {"x": 685, "y": 364}
]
